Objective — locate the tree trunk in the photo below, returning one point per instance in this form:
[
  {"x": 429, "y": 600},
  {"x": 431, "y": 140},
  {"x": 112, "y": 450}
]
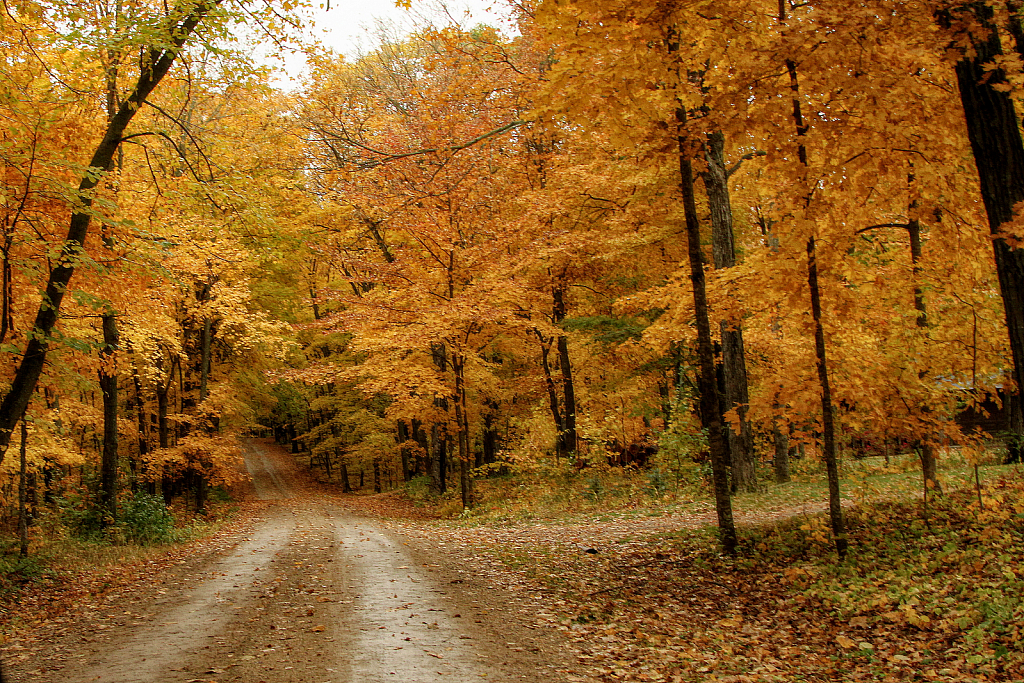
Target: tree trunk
[
  {"x": 835, "y": 509},
  {"x": 994, "y": 133},
  {"x": 434, "y": 459},
  {"x": 159, "y": 61},
  {"x": 442, "y": 462},
  {"x": 419, "y": 435},
  {"x": 827, "y": 418},
  {"x": 490, "y": 439},
  {"x": 439, "y": 466},
  {"x": 346, "y": 485},
  {"x": 710, "y": 409},
  {"x": 549, "y": 383},
  {"x": 7, "y": 285},
  {"x": 162, "y": 428},
  {"x": 403, "y": 449},
  {"x": 929, "y": 464},
  {"x": 108, "y": 385},
  {"x": 569, "y": 437},
  {"x": 22, "y": 510},
  {"x": 204, "y": 361},
  {"x": 462, "y": 421},
  {"x": 736, "y": 396},
  {"x": 780, "y": 440},
  {"x": 143, "y": 439}
]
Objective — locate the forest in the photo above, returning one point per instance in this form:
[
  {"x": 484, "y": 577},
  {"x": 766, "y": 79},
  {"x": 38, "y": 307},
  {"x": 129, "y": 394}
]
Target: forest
[{"x": 711, "y": 241}]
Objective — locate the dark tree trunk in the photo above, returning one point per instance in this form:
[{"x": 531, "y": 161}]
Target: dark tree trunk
[
  {"x": 442, "y": 463},
  {"x": 163, "y": 429},
  {"x": 204, "y": 293},
  {"x": 140, "y": 416},
  {"x": 827, "y": 418},
  {"x": 994, "y": 134},
  {"x": 108, "y": 385},
  {"x": 549, "y": 383},
  {"x": 22, "y": 509},
  {"x": 346, "y": 485},
  {"x": 780, "y": 440},
  {"x": 419, "y": 435},
  {"x": 163, "y": 400},
  {"x": 159, "y": 61},
  {"x": 462, "y": 421},
  {"x": 439, "y": 464},
  {"x": 403, "y": 449},
  {"x": 7, "y": 285},
  {"x": 490, "y": 439},
  {"x": 569, "y": 438},
  {"x": 914, "y": 231},
  {"x": 736, "y": 395},
  {"x": 929, "y": 461},
  {"x": 710, "y": 407},
  {"x": 204, "y": 361},
  {"x": 835, "y": 509}
]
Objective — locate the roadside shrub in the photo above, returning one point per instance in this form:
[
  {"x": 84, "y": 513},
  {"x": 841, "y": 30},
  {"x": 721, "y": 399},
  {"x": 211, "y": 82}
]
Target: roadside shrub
[
  {"x": 145, "y": 519},
  {"x": 81, "y": 517},
  {"x": 418, "y": 490},
  {"x": 16, "y": 570},
  {"x": 657, "y": 482}
]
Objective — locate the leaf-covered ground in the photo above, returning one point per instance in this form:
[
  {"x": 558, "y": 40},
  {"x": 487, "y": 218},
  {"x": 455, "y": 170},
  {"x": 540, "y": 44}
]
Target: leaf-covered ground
[{"x": 927, "y": 594}]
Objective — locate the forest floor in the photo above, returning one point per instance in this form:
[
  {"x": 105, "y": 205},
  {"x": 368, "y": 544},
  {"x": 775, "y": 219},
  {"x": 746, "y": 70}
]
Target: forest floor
[{"x": 317, "y": 587}]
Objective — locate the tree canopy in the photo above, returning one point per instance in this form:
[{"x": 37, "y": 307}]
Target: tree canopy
[{"x": 627, "y": 233}]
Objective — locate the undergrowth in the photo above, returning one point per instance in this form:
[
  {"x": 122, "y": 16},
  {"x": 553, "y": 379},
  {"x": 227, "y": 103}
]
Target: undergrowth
[
  {"x": 72, "y": 538},
  {"x": 555, "y": 490},
  {"x": 928, "y": 592}
]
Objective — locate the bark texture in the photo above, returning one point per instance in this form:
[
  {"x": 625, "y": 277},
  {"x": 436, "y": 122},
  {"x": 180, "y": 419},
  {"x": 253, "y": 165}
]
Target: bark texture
[
  {"x": 108, "y": 385},
  {"x": 740, "y": 437},
  {"x": 994, "y": 134}
]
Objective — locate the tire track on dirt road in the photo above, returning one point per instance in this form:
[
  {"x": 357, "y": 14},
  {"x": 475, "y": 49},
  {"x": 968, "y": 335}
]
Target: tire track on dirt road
[{"x": 310, "y": 593}]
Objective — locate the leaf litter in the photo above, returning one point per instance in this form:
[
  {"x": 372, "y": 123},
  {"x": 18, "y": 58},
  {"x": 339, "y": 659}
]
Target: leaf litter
[{"x": 929, "y": 593}]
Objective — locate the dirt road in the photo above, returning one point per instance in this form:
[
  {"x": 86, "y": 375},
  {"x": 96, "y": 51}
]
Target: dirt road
[{"x": 309, "y": 592}]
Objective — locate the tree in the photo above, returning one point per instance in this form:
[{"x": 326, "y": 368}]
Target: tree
[
  {"x": 993, "y": 129},
  {"x": 157, "y": 60}
]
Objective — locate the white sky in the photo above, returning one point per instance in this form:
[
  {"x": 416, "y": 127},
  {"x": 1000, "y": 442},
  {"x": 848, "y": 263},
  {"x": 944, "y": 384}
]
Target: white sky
[{"x": 348, "y": 26}]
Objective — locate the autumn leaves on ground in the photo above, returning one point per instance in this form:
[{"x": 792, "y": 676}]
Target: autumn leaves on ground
[
  {"x": 631, "y": 587},
  {"x": 702, "y": 323}
]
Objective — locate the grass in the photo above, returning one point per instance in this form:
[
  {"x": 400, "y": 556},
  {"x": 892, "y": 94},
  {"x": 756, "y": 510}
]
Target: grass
[{"x": 562, "y": 492}]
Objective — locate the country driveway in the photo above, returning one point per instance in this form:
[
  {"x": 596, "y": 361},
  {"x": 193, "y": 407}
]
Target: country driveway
[{"x": 307, "y": 592}]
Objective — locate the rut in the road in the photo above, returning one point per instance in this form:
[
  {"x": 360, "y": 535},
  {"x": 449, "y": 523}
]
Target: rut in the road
[
  {"x": 406, "y": 628},
  {"x": 310, "y": 593}
]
